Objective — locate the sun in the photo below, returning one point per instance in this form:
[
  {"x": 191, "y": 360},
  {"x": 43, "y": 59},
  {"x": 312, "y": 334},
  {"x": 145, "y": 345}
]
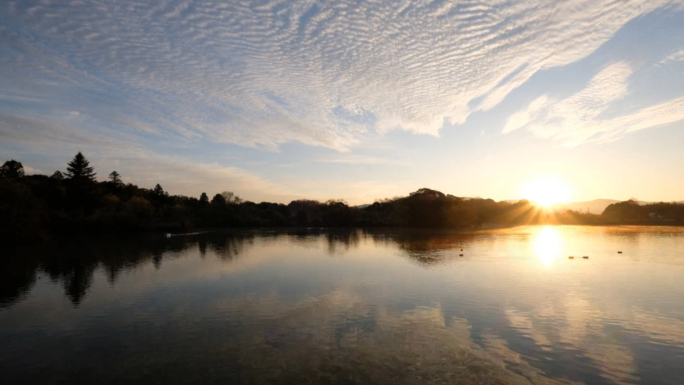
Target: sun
[{"x": 546, "y": 191}]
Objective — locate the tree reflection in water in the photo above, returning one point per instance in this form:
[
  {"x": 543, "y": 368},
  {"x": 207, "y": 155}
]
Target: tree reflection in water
[
  {"x": 265, "y": 307},
  {"x": 73, "y": 263}
]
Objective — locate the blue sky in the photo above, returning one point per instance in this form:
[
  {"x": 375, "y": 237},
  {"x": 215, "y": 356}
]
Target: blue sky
[{"x": 354, "y": 100}]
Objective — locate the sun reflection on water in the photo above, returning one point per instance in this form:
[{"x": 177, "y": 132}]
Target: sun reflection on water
[{"x": 548, "y": 245}]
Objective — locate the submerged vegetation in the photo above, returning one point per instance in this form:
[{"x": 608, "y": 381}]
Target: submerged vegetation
[{"x": 37, "y": 207}]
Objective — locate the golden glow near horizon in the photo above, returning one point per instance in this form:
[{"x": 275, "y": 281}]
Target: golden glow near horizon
[
  {"x": 546, "y": 191},
  {"x": 547, "y": 245}
]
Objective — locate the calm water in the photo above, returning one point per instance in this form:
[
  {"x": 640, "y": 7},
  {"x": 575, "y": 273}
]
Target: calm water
[{"x": 385, "y": 307}]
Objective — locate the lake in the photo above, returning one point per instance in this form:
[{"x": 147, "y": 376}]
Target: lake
[{"x": 349, "y": 307}]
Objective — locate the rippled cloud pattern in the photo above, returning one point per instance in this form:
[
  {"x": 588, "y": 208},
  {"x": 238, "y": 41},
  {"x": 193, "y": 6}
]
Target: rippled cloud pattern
[{"x": 263, "y": 73}]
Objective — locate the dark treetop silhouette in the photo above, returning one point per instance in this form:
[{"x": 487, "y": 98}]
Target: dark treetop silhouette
[
  {"x": 79, "y": 169},
  {"x": 37, "y": 207}
]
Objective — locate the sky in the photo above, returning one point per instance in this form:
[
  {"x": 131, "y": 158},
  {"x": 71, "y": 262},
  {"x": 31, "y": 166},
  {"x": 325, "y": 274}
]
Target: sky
[{"x": 353, "y": 100}]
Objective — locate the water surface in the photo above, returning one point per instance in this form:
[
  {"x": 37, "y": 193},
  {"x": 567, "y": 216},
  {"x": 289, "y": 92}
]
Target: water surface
[{"x": 350, "y": 307}]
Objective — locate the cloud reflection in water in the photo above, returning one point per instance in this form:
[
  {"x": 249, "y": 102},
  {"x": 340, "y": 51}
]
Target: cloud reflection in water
[{"x": 372, "y": 306}]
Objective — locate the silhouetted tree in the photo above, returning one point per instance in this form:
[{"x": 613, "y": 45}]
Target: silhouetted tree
[
  {"x": 115, "y": 178},
  {"x": 427, "y": 194},
  {"x": 79, "y": 169},
  {"x": 12, "y": 170},
  {"x": 305, "y": 212},
  {"x": 35, "y": 207},
  {"x": 22, "y": 214},
  {"x": 218, "y": 199},
  {"x": 159, "y": 191},
  {"x": 230, "y": 197},
  {"x": 337, "y": 213},
  {"x": 625, "y": 212}
]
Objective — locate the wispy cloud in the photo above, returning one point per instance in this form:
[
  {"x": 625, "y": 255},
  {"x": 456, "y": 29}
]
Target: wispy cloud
[
  {"x": 581, "y": 117},
  {"x": 362, "y": 160},
  {"x": 264, "y": 73},
  {"x": 51, "y": 131},
  {"x": 57, "y": 142},
  {"x": 674, "y": 57},
  {"x": 176, "y": 174},
  {"x": 31, "y": 171},
  {"x": 182, "y": 176}
]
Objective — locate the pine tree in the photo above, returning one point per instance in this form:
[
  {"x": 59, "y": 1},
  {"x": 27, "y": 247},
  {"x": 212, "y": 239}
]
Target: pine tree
[
  {"x": 57, "y": 175},
  {"x": 159, "y": 191},
  {"x": 204, "y": 198},
  {"x": 79, "y": 169}
]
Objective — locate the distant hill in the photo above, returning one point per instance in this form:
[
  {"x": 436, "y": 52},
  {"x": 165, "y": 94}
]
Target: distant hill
[{"x": 595, "y": 206}]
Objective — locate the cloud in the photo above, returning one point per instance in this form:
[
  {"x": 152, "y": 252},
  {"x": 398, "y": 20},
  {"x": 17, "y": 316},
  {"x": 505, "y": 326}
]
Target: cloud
[
  {"x": 522, "y": 118},
  {"x": 581, "y": 117},
  {"x": 674, "y": 57},
  {"x": 31, "y": 171},
  {"x": 49, "y": 131},
  {"x": 264, "y": 73},
  {"x": 363, "y": 160},
  {"x": 137, "y": 164},
  {"x": 184, "y": 177}
]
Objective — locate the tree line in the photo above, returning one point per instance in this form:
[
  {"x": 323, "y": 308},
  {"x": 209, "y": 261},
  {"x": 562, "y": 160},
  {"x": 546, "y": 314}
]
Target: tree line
[{"x": 40, "y": 207}]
